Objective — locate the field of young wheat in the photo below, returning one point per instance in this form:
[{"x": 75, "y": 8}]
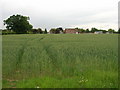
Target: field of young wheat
[{"x": 60, "y": 61}]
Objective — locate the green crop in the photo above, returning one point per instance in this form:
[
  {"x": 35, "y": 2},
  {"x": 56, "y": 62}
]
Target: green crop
[{"x": 60, "y": 61}]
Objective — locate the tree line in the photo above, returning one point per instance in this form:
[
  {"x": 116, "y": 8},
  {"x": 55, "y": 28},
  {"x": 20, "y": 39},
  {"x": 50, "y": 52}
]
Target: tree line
[{"x": 18, "y": 24}]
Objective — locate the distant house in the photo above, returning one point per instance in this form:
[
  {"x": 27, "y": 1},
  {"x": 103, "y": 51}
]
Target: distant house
[
  {"x": 71, "y": 31},
  {"x": 98, "y": 32}
]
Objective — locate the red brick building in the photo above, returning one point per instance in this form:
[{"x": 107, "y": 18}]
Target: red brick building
[{"x": 71, "y": 31}]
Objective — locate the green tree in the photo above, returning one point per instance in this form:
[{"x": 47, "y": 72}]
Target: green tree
[
  {"x": 111, "y": 30},
  {"x": 104, "y": 31},
  {"x": 56, "y": 31},
  {"x": 45, "y": 32},
  {"x": 18, "y": 24},
  {"x": 53, "y": 31},
  {"x": 34, "y": 31},
  {"x": 77, "y": 28},
  {"x": 81, "y": 30},
  {"x": 93, "y": 30},
  {"x": 59, "y": 30},
  {"x": 87, "y": 31},
  {"x": 37, "y": 31},
  {"x": 40, "y": 30}
]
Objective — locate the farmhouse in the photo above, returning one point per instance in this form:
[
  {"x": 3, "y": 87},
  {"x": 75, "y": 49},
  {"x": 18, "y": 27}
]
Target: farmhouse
[{"x": 71, "y": 31}]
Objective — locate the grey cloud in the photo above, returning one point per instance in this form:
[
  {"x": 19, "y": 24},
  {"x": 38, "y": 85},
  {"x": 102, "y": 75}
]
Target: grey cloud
[{"x": 50, "y": 15}]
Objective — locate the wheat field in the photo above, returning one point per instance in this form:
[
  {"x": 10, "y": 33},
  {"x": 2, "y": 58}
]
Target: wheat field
[{"x": 60, "y": 61}]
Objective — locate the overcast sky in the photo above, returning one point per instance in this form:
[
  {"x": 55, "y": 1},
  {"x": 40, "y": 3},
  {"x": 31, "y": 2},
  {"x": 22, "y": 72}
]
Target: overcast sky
[{"x": 102, "y": 14}]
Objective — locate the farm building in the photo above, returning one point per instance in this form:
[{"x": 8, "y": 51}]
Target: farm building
[
  {"x": 71, "y": 31},
  {"x": 98, "y": 32}
]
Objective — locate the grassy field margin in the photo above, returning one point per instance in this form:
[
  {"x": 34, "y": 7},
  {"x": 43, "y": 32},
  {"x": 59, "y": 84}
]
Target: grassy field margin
[{"x": 0, "y": 59}]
